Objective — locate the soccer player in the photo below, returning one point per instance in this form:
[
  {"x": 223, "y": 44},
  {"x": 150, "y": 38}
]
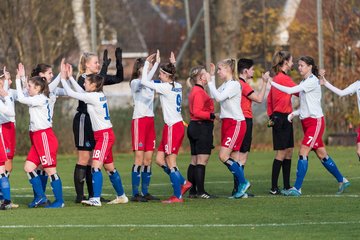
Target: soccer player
[
  {"x": 245, "y": 69},
  {"x": 200, "y": 131},
  {"x": 279, "y": 106},
  {"x": 83, "y": 134},
  {"x": 312, "y": 120},
  {"x": 44, "y": 144},
  {"x": 351, "y": 89},
  {"x": 173, "y": 130},
  {"x": 142, "y": 131},
  {"x": 233, "y": 126},
  {"x": 104, "y": 137}
]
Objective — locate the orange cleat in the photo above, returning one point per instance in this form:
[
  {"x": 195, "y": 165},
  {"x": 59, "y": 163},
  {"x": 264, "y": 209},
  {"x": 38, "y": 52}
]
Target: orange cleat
[
  {"x": 173, "y": 199},
  {"x": 185, "y": 187}
]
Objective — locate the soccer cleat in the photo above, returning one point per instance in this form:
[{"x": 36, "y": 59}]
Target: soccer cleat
[
  {"x": 150, "y": 197},
  {"x": 6, "y": 205},
  {"x": 274, "y": 191},
  {"x": 292, "y": 192},
  {"x": 14, "y": 205},
  {"x": 104, "y": 200},
  {"x": 343, "y": 186},
  {"x": 119, "y": 199},
  {"x": 92, "y": 202},
  {"x": 185, "y": 187},
  {"x": 206, "y": 195},
  {"x": 173, "y": 199},
  {"x": 138, "y": 198},
  {"x": 56, "y": 204},
  {"x": 39, "y": 202},
  {"x": 78, "y": 199},
  {"x": 243, "y": 187}
]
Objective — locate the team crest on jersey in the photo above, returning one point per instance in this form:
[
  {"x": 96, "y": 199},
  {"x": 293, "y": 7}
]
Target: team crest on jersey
[
  {"x": 8, "y": 150},
  {"x": 87, "y": 144},
  {"x": 141, "y": 144}
]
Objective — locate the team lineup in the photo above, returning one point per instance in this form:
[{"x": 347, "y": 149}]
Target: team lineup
[{"x": 94, "y": 137}]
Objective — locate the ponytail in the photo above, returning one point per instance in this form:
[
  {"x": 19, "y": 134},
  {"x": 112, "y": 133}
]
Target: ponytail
[
  {"x": 41, "y": 81},
  {"x": 278, "y": 61},
  {"x": 40, "y": 68},
  {"x": 83, "y": 60},
  {"x": 231, "y": 63}
]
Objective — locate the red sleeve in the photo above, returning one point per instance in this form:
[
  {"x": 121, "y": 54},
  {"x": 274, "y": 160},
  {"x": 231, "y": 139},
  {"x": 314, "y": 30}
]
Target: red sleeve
[
  {"x": 269, "y": 103},
  {"x": 198, "y": 106},
  {"x": 246, "y": 89}
]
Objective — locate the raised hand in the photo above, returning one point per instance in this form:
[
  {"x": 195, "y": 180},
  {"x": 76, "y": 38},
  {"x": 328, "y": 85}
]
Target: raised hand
[
  {"x": 322, "y": 76},
  {"x": 118, "y": 56},
  {"x": 151, "y": 58},
  {"x": 63, "y": 72},
  {"x": 3, "y": 93},
  {"x": 20, "y": 72},
  {"x": 106, "y": 60},
  {"x": 69, "y": 70},
  {"x": 172, "y": 58},
  {"x": 266, "y": 76},
  {"x": 212, "y": 69},
  {"x": 6, "y": 74},
  {"x": 158, "y": 56}
]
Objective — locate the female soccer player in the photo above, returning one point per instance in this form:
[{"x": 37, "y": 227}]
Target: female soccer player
[
  {"x": 44, "y": 144},
  {"x": 83, "y": 134},
  {"x": 173, "y": 131},
  {"x": 200, "y": 131},
  {"x": 351, "y": 89},
  {"x": 233, "y": 121},
  {"x": 279, "y": 106},
  {"x": 104, "y": 136},
  {"x": 312, "y": 120},
  {"x": 142, "y": 131}
]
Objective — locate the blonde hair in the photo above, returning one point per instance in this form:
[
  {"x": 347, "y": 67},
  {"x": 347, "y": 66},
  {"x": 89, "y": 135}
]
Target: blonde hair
[
  {"x": 85, "y": 57},
  {"x": 193, "y": 75},
  {"x": 231, "y": 63}
]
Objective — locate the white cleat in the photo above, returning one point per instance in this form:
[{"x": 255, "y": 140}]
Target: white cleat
[
  {"x": 119, "y": 200},
  {"x": 92, "y": 202}
]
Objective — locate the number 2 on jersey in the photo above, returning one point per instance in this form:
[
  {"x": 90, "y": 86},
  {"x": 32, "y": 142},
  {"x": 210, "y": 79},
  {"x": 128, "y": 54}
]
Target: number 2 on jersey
[
  {"x": 178, "y": 102},
  {"x": 107, "y": 116}
]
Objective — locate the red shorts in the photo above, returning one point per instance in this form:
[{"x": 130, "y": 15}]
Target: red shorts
[
  {"x": 44, "y": 146},
  {"x": 3, "y": 157},
  {"x": 313, "y": 131},
  {"x": 232, "y": 133},
  {"x": 172, "y": 138},
  {"x": 104, "y": 141},
  {"x": 143, "y": 134},
  {"x": 9, "y": 134},
  {"x": 358, "y": 135}
]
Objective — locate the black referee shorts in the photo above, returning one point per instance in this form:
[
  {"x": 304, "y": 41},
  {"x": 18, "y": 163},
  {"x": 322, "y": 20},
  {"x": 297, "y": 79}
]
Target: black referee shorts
[
  {"x": 83, "y": 133},
  {"x": 283, "y": 133},
  {"x": 246, "y": 144},
  {"x": 200, "y": 134}
]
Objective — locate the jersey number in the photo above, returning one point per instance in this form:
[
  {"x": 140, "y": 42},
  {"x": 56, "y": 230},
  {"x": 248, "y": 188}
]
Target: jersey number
[
  {"x": 178, "y": 103},
  {"x": 43, "y": 160},
  {"x": 49, "y": 115},
  {"x": 228, "y": 140},
  {"x": 107, "y": 116},
  {"x": 310, "y": 140}
]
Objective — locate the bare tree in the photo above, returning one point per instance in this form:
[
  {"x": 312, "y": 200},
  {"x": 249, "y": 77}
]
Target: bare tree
[{"x": 80, "y": 26}]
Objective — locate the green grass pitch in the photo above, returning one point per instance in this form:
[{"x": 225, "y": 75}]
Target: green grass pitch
[{"x": 317, "y": 214}]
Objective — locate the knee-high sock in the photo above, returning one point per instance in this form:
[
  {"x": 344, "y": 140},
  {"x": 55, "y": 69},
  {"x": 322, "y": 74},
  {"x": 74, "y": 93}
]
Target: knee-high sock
[
  {"x": 79, "y": 179},
  {"x": 302, "y": 167},
  {"x": 145, "y": 179},
  {"x": 89, "y": 181},
  {"x": 35, "y": 181},
  {"x": 56, "y": 186},
  {"x": 5, "y": 186},
  {"x": 191, "y": 176},
  {"x": 286, "y": 169},
  {"x": 97, "y": 182},
  {"x": 180, "y": 176},
  {"x": 236, "y": 170},
  {"x": 330, "y": 165},
  {"x": 135, "y": 179},
  {"x": 275, "y": 173},
  {"x": 166, "y": 169},
  {"x": 175, "y": 181},
  {"x": 43, "y": 177},
  {"x": 116, "y": 182},
  {"x": 200, "y": 178}
]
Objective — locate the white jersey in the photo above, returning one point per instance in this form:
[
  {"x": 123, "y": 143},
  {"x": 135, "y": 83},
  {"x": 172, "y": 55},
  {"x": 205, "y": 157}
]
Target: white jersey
[
  {"x": 143, "y": 97},
  {"x": 170, "y": 97},
  {"x": 55, "y": 91},
  {"x": 309, "y": 91},
  {"x": 39, "y": 109},
  {"x": 229, "y": 97},
  {"x": 353, "y": 88},
  {"x": 12, "y": 98},
  {"x": 97, "y": 105}
]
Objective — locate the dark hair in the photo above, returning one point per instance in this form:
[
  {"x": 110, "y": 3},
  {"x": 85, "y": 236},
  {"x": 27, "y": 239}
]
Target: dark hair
[
  {"x": 139, "y": 63},
  {"x": 41, "y": 81},
  {"x": 193, "y": 75},
  {"x": 244, "y": 63},
  {"x": 310, "y": 62},
  {"x": 40, "y": 68},
  {"x": 169, "y": 69},
  {"x": 96, "y": 78},
  {"x": 278, "y": 61}
]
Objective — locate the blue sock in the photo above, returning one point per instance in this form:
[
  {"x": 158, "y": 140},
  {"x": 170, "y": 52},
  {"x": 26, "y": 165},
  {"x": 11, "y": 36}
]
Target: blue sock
[
  {"x": 180, "y": 176},
  {"x": 135, "y": 179},
  {"x": 44, "y": 178},
  {"x": 145, "y": 179},
  {"x": 175, "y": 181},
  {"x": 97, "y": 181},
  {"x": 301, "y": 170},
  {"x": 235, "y": 169},
  {"x": 56, "y": 186},
  {"x": 5, "y": 186},
  {"x": 116, "y": 182},
  {"x": 1, "y": 195},
  {"x": 166, "y": 169},
  {"x": 330, "y": 165},
  {"x": 35, "y": 181}
]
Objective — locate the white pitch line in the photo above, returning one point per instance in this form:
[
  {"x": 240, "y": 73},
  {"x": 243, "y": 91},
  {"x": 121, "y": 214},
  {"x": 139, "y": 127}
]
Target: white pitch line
[{"x": 178, "y": 225}]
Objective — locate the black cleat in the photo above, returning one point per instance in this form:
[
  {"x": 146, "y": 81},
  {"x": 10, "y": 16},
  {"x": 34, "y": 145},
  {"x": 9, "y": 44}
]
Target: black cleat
[
  {"x": 250, "y": 194},
  {"x": 78, "y": 199},
  {"x": 150, "y": 197},
  {"x": 206, "y": 195},
  {"x": 274, "y": 191},
  {"x": 104, "y": 200},
  {"x": 6, "y": 205},
  {"x": 138, "y": 198}
]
